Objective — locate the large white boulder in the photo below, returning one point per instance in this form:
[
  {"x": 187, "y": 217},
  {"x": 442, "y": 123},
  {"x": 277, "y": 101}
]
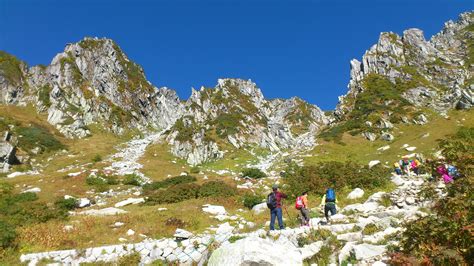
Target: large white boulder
[
  {"x": 103, "y": 212},
  {"x": 214, "y": 209},
  {"x": 33, "y": 190},
  {"x": 181, "y": 233},
  {"x": 260, "y": 208},
  {"x": 254, "y": 250},
  {"x": 367, "y": 251},
  {"x": 373, "y": 163},
  {"x": 356, "y": 193},
  {"x": 129, "y": 201}
]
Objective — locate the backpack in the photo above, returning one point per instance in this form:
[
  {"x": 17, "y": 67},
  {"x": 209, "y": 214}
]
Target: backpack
[
  {"x": 299, "y": 203},
  {"x": 453, "y": 171},
  {"x": 271, "y": 201},
  {"x": 330, "y": 195}
]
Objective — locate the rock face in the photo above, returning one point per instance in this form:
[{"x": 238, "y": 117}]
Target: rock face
[
  {"x": 92, "y": 81},
  {"x": 256, "y": 251},
  {"x": 409, "y": 73},
  {"x": 236, "y": 112}
]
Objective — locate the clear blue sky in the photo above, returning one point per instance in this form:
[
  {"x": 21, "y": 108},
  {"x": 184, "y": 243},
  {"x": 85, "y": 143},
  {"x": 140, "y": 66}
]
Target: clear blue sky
[{"x": 289, "y": 48}]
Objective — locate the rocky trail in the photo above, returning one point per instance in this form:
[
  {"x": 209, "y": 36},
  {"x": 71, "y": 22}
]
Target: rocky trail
[
  {"x": 125, "y": 161},
  {"x": 359, "y": 233}
]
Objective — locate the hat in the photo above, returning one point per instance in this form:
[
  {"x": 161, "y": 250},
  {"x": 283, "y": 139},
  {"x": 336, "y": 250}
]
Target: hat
[{"x": 275, "y": 186}]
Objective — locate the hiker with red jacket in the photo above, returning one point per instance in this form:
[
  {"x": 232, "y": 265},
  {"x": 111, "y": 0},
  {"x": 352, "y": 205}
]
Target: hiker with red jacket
[{"x": 274, "y": 204}]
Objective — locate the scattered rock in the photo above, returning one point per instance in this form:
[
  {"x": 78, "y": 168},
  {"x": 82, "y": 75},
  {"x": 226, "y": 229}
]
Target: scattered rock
[
  {"x": 373, "y": 163},
  {"x": 256, "y": 251},
  {"x": 214, "y": 209},
  {"x": 260, "y": 208},
  {"x": 103, "y": 212},
  {"x": 129, "y": 201},
  {"x": 356, "y": 193},
  {"x": 182, "y": 234}
]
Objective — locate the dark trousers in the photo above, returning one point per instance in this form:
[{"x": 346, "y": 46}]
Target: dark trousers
[
  {"x": 304, "y": 216},
  {"x": 276, "y": 213},
  {"x": 329, "y": 207}
]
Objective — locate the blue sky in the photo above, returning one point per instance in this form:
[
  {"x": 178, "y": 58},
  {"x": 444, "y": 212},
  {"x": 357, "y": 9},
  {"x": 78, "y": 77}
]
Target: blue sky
[{"x": 289, "y": 48}]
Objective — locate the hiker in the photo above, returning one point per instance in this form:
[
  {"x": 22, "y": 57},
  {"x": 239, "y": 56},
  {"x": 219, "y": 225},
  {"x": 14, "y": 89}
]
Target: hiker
[
  {"x": 302, "y": 205},
  {"x": 405, "y": 164},
  {"x": 329, "y": 202},
  {"x": 274, "y": 204},
  {"x": 415, "y": 166},
  {"x": 397, "y": 168},
  {"x": 443, "y": 171}
]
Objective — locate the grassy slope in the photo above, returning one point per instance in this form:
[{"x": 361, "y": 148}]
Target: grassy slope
[{"x": 360, "y": 150}]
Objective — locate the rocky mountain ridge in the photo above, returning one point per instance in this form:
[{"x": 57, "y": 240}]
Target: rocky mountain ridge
[
  {"x": 93, "y": 82},
  {"x": 410, "y": 74}
]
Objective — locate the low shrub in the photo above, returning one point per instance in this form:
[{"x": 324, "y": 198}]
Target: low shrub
[
  {"x": 17, "y": 210},
  {"x": 175, "y": 222},
  {"x": 173, "y": 194},
  {"x": 97, "y": 158},
  {"x": 316, "y": 179},
  {"x": 253, "y": 173},
  {"x": 132, "y": 179},
  {"x": 182, "y": 179},
  {"x": 234, "y": 238},
  {"x": 37, "y": 136},
  {"x": 370, "y": 229},
  {"x": 101, "y": 182},
  {"x": 251, "y": 200},
  {"x": 216, "y": 189},
  {"x": 66, "y": 204},
  {"x": 7, "y": 234},
  {"x": 195, "y": 170}
]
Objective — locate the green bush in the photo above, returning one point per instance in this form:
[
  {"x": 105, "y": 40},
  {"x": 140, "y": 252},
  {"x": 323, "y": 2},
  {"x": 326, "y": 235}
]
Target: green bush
[
  {"x": 22, "y": 209},
  {"x": 173, "y": 194},
  {"x": 182, "y": 179},
  {"x": 251, "y": 200},
  {"x": 7, "y": 235},
  {"x": 316, "y": 179},
  {"x": 195, "y": 170},
  {"x": 66, "y": 204},
  {"x": 216, "y": 189},
  {"x": 370, "y": 229},
  {"x": 37, "y": 136},
  {"x": 132, "y": 179},
  {"x": 101, "y": 182},
  {"x": 97, "y": 158},
  {"x": 253, "y": 173}
]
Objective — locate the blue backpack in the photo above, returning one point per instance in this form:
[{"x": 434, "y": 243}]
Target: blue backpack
[{"x": 330, "y": 195}]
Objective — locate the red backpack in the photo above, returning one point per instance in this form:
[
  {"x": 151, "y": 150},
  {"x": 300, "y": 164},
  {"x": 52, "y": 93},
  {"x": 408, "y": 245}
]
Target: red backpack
[{"x": 299, "y": 203}]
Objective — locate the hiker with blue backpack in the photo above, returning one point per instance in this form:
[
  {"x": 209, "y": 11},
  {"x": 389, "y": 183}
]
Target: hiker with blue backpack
[
  {"x": 329, "y": 202},
  {"x": 274, "y": 204}
]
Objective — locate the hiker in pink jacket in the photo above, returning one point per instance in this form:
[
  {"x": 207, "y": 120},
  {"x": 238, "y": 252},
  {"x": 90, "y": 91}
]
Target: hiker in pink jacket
[{"x": 441, "y": 169}]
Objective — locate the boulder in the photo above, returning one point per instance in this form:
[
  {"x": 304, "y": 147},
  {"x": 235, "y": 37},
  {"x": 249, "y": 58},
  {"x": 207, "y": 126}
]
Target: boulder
[
  {"x": 103, "y": 212},
  {"x": 369, "y": 136},
  {"x": 224, "y": 228},
  {"x": 33, "y": 190},
  {"x": 129, "y": 201},
  {"x": 310, "y": 250},
  {"x": 182, "y": 234},
  {"x": 387, "y": 136},
  {"x": 214, "y": 209},
  {"x": 356, "y": 193},
  {"x": 367, "y": 251},
  {"x": 254, "y": 250},
  {"x": 260, "y": 208},
  {"x": 373, "y": 163}
]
